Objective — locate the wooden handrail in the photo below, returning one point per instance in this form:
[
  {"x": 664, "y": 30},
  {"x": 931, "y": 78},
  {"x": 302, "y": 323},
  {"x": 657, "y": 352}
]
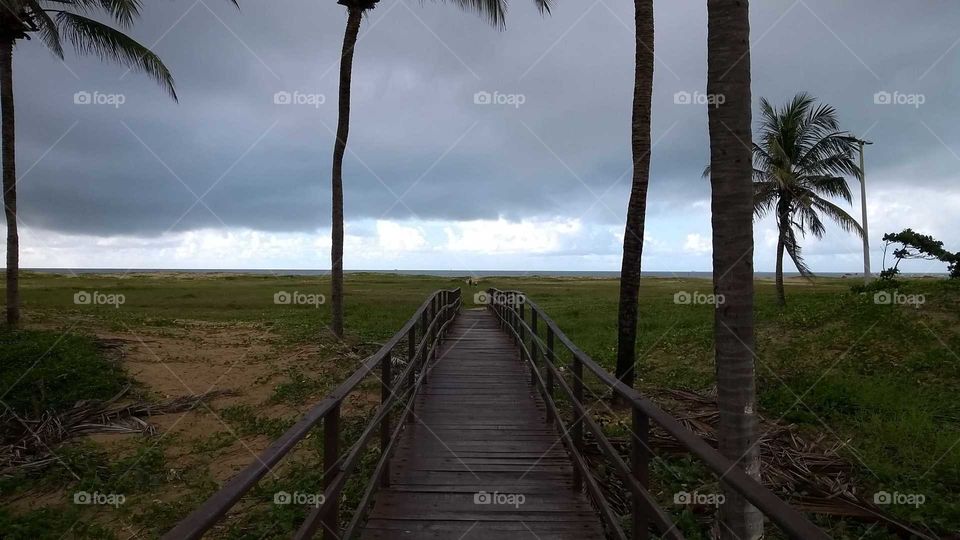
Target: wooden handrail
[
  {"x": 508, "y": 307},
  {"x": 352, "y": 459},
  {"x": 432, "y": 317}
]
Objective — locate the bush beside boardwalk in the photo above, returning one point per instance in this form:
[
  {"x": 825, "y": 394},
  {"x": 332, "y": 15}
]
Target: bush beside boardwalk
[{"x": 881, "y": 375}]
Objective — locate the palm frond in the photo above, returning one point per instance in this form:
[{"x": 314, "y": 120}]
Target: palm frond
[
  {"x": 839, "y": 216},
  {"x": 544, "y": 6},
  {"x": 830, "y": 186},
  {"x": 494, "y": 11},
  {"x": 761, "y": 159},
  {"x": 834, "y": 144},
  {"x": 765, "y": 195},
  {"x": 809, "y": 220},
  {"x": 833, "y": 165},
  {"x": 122, "y": 11},
  {"x": 46, "y": 27},
  {"x": 90, "y": 37},
  {"x": 815, "y": 125},
  {"x": 793, "y": 249},
  {"x": 768, "y": 122}
]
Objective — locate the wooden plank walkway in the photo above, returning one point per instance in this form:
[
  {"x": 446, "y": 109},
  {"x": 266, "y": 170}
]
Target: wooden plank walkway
[{"x": 479, "y": 461}]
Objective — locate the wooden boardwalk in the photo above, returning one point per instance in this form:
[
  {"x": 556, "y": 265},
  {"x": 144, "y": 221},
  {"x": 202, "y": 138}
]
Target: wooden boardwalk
[{"x": 479, "y": 461}]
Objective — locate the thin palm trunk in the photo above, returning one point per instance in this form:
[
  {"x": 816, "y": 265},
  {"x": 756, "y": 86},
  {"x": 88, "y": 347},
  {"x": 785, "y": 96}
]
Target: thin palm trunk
[
  {"x": 637, "y": 207},
  {"x": 728, "y": 74},
  {"x": 781, "y": 247},
  {"x": 10, "y": 182},
  {"x": 354, "y": 17},
  {"x": 781, "y": 292}
]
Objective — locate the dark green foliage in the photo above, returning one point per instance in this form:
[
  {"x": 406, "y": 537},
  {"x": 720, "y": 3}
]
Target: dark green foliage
[
  {"x": 245, "y": 421},
  {"x": 50, "y": 523},
  {"x": 44, "y": 371},
  {"x": 914, "y": 245}
]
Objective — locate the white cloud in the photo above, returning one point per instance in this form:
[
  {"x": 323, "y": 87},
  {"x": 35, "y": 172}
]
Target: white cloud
[
  {"x": 697, "y": 244},
  {"x": 506, "y": 237},
  {"x": 393, "y": 237},
  {"x": 672, "y": 242}
]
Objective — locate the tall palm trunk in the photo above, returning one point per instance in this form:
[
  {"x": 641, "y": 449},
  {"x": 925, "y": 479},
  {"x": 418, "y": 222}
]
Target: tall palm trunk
[
  {"x": 10, "y": 182},
  {"x": 354, "y": 16},
  {"x": 782, "y": 218},
  {"x": 728, "y": 74},
  {"x": 637, "y": 207}
]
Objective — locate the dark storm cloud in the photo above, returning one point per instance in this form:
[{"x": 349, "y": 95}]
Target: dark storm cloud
[{"x": 417, "y": 133}]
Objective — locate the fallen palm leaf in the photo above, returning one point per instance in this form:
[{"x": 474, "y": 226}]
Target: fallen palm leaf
[
  {"x": 27, "y": 443},
  {"x": 812, "y": 474}
]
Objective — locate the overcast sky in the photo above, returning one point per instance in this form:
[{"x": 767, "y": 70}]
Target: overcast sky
[{"x": 229, "y": 178}]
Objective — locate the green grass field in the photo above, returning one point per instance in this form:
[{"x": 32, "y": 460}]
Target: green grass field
[{"x": 880, "y": 378}]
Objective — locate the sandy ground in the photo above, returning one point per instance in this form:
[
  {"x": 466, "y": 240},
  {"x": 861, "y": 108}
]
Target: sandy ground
[{"x": 195, "y": 357}]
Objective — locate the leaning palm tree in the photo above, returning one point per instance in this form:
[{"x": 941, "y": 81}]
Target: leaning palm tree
[
  {"x": 493, "y": 10},
  {"x": 728, "y": 75},
  {"x": 800, "y": 161},
  {"x": 54, "y": 21},
  {"x": 637, "y": 207}
]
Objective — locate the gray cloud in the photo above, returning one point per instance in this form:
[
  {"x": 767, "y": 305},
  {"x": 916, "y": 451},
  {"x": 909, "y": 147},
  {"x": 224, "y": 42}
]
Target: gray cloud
[{"x": 416, "y": 131}]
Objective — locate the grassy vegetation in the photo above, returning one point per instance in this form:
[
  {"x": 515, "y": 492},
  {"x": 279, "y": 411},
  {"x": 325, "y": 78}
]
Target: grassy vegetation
[
  {"x": 882, "y": 378},
  {"x": 51, "y": 371}
]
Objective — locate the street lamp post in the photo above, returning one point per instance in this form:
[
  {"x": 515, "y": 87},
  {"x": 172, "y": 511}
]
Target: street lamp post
[{"x": 863, "y": 207}]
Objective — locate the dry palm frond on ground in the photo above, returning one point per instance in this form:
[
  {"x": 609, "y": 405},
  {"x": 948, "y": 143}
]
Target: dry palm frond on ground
[
  {"x": 810, "y": 473},
  {"x": 27, "y": 444}
]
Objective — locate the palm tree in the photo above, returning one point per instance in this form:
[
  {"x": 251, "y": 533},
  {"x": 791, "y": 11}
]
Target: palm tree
[
  {"x": 53, "y": 21},
  {"x": 800, "y": 160},
  {"x": 493, "y": 10},
  {"x": 728, "y": 75},
  {"x": 637, "y": 207}
]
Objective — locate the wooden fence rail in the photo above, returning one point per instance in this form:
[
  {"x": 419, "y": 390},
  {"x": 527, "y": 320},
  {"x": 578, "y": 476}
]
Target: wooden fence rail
[
  {"x": 511, "y": 308},
  {"x": 422, "y": 335},
  {"x": 539, "y": 342}
]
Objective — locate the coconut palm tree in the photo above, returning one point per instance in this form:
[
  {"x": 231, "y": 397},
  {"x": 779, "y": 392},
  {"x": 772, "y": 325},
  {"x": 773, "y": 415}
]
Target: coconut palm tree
[
  {"x": 637, "y": 206},
  {"x": 728, "y": 75},
  {"x": 54, "y": 21},
  {"x": 800, "y": 159},
  {"x": 492, "y": 10}
]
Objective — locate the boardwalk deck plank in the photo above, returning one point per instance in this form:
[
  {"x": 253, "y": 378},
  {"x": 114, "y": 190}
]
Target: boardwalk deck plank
[{"x": 480, "y": 427}]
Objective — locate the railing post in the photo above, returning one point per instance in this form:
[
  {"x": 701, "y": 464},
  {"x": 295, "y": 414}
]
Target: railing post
[
  {"x": 640, "y": 461},
  {"x": 411, "y": 360},
  {"x": 431, "y": 328},
  {"x": 534, "y": 350},
  {"x": 434, "y": 336},
  {"x": 441, "y": 313},
  {"x": 386, "y": 389},
  {"x": 521, "y": 318},
  {"x": 331, "y": 451},
  {"x": 423, "y": 322},
  {"x": 515, "y": 321},
  {"x": 577, "y": 430},
  {"x": 515, "y": 317},
  {"x": 550, "y": 362},
  {"x": 445, "y": 301}
]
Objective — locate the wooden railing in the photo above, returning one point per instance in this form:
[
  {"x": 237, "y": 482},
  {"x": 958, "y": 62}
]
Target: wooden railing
[
  {"x": 540, "y": 353},
  {"x": 422, "y": 335}
]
